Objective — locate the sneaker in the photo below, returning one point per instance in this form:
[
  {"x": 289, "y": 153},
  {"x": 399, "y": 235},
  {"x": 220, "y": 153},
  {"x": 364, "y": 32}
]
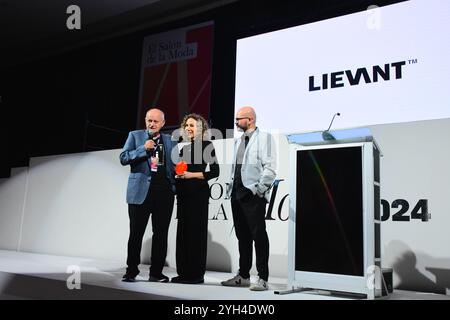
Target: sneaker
[
  {"x": 260, "y": 285},
  {"x": 237, "y": 281}
]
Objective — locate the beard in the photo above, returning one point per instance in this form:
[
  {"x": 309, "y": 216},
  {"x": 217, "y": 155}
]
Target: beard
[{"x": 242, "y": 128}]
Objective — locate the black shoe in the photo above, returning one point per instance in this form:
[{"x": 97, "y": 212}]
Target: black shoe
[
  {"x": 158, "y": 278},
  {"x": 180, "y": 279},
  {"x": 177, "y": 279},
  {"x": 195, "y": 281},
  {"x": 129, "y": 277}
]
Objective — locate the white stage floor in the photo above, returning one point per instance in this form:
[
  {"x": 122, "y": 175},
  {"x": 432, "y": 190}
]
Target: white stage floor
[{"x": 38, "y": 276}]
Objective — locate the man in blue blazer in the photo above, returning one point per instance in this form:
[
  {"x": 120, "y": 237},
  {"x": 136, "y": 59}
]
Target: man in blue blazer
[{"x": 151, "y": 190}]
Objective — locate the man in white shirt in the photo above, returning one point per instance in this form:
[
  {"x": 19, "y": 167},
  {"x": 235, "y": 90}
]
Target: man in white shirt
[{"x": 252, "y": 174}]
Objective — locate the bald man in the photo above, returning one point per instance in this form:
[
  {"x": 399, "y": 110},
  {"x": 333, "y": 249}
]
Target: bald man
[
  {"x": 151, "y": 190},
  {"x": 252, "y": 174}
]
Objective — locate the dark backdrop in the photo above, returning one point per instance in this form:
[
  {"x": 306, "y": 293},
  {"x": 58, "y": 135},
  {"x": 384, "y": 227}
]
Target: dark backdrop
[{"x": 86, "y": 99}]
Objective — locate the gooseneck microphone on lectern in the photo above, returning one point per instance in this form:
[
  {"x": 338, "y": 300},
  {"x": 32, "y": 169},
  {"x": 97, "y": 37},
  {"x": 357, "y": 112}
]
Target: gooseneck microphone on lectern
[
  {"x": 326, "y": 135},
  {"x": 336, "y": 114}
]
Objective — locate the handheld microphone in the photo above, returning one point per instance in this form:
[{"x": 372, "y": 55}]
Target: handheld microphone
[{"x": 152, "y": 135}]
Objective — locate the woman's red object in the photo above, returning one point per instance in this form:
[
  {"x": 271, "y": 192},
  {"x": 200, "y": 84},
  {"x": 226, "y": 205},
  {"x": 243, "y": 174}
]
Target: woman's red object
[{"x": 181, "y": 167}]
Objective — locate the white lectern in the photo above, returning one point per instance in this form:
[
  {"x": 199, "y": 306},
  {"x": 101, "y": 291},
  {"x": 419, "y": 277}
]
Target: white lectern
[{"x": 334, "y": 212}]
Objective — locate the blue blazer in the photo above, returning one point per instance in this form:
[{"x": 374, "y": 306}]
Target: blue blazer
[{"x": 134, "y": 154}]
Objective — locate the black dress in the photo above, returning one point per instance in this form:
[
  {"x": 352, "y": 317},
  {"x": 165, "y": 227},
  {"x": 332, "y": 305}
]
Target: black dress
[{"x": 192, "y": 210}]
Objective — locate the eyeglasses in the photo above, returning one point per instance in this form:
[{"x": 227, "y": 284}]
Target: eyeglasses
[{"x": 237, "y": 119}]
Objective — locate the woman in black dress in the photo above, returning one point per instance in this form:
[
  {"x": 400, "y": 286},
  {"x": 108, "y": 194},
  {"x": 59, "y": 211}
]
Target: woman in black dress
[{"x": 192, "y": 200}]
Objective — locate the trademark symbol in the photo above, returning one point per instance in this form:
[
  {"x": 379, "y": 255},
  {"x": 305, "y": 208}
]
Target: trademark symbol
[{"x": 412, "y": 61}]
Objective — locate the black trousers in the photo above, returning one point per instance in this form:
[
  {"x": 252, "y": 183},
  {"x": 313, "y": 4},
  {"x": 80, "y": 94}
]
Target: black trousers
[
  {"x": 192, "y": 234},
  {"x": 250, "y": 225},
  {"x": 160, "y": 205}
]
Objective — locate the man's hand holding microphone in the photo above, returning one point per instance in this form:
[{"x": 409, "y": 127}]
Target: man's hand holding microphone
[{"x": 149, "y": 145}]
